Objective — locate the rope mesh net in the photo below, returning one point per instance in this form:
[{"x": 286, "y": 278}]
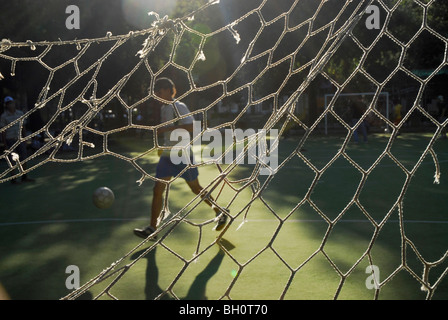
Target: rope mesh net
[{"x": 278, "y": 59}]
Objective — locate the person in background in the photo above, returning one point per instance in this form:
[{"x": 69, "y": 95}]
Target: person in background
[{"x": 11, "y": 135}]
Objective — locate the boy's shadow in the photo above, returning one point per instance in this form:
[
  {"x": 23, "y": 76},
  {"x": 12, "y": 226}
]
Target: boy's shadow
[
  {"x": 152, "y": 289},
  {"x": 198, "y": 287}
]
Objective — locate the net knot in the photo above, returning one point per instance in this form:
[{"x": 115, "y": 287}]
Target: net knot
[
  {"x": 160, "y": 27},
  {"x": 166, "y": 24},
  {"x": 5, "y": 45}
]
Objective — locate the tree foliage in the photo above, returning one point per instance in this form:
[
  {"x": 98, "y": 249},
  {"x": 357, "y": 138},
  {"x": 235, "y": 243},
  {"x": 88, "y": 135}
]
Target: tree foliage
[{"x": 223, "y": 52}]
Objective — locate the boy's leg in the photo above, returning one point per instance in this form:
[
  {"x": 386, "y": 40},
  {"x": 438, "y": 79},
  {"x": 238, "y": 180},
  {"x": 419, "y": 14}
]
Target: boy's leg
[
  {"x": 156, "y": 209},
  {"x": 157, "y": 201},
  {"x": 197, "y": 189}
]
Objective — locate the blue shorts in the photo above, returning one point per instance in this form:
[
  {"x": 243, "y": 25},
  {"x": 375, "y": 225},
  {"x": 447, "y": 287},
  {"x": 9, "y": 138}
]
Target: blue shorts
[{"x": 166, "y": 168}]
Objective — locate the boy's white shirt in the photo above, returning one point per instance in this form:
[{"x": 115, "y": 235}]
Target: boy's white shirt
[{"x": 167, "y": 113}]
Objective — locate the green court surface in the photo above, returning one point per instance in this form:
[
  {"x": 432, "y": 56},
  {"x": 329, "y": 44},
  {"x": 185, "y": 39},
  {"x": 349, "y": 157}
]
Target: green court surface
[{"x": 285, "y": 249}]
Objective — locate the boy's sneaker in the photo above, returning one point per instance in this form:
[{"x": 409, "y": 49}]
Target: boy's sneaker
[
  {"x": 145, "y": 233},
  {"x": 221, "y": 221}
]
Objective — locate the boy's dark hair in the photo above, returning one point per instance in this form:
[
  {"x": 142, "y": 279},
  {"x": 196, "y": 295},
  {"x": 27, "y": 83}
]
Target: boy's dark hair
[{"x": 163, "y": 83}]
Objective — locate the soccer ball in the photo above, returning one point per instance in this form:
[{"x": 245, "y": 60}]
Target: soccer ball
[{"x": 103, "y": 198}]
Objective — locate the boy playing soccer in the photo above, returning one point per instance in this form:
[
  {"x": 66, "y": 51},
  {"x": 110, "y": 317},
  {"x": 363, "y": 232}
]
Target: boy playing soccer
[{"x": 165, "y": 89}]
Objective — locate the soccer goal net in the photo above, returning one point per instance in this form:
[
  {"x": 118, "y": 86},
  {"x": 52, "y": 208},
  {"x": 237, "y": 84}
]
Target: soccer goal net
[{"x": 306, "y": 211}]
